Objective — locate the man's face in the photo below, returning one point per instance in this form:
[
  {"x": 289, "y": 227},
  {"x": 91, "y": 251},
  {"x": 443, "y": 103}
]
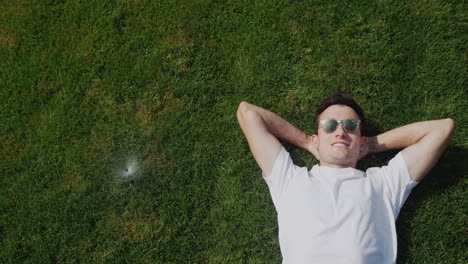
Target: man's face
[{"x": 338, "y": 149}]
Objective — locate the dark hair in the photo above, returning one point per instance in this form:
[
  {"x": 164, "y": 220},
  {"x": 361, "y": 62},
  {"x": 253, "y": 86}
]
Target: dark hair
[{"x": 338, "y": 98}]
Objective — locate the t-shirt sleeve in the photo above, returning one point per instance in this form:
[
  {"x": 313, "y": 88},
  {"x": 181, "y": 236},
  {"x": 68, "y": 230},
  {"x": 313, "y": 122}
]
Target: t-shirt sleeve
[
  {"x": 397, "y": 182},
  {"x": 281, "y": 175}
]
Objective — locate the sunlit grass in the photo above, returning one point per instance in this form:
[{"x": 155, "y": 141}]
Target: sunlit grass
[{"x": 92, "y": 89}]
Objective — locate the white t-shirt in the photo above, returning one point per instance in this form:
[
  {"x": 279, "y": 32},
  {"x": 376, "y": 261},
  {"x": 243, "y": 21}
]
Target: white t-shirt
[{"x": 331, "y": 215}]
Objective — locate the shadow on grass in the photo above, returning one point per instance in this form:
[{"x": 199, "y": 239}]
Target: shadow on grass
[{"x": 448, "y": 172}]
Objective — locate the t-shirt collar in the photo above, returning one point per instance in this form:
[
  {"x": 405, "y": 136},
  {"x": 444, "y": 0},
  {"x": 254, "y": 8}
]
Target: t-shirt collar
[{"x": 337, "y": 172}]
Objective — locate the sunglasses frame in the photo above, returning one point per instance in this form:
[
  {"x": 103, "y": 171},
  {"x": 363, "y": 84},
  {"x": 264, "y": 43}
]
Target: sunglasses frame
[{"x": 322, "y": 122}]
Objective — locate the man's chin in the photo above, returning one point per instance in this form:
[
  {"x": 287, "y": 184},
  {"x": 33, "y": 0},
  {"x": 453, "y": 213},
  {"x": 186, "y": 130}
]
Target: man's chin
[{"x": 341, "y": 161}]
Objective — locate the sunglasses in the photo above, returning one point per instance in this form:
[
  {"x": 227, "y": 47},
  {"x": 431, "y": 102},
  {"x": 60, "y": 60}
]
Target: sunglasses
[{"x": 350, "y": 125}]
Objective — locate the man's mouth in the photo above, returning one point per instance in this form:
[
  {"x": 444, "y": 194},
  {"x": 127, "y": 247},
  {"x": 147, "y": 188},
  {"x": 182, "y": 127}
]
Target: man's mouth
[{"x": 340, "y": 144}]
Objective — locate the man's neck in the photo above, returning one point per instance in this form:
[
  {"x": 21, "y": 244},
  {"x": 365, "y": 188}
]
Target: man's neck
[{"x": 336, "y": 166}]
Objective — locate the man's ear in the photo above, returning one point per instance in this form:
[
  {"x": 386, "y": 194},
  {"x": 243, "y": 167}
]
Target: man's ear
[
  {"x": 363, "y": 150},
  {"x": 315, "y": 141},
  {"x": 363, "y": 143}
]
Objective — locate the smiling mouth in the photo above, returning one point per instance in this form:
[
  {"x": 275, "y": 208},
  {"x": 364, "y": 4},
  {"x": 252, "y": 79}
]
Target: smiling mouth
[{"x": 339, "y": 145}]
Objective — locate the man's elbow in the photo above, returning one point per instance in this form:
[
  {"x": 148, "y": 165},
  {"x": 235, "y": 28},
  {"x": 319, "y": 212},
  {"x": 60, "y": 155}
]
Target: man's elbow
[
  {"x": 243, "y": 105},
  {"x": 448, "y": 127},
  {"x": 451, "y": 125},
  {"x": 242, "y": 109}
]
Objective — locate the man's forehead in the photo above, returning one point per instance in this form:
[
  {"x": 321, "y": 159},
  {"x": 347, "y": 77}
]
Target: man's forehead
[{"x": 339, "y": 112}]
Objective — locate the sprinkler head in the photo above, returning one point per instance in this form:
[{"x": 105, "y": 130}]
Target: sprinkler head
[{"x": 128, "y": 170}]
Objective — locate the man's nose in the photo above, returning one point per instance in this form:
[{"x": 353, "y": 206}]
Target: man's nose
[{"x": 340, "y": 132}]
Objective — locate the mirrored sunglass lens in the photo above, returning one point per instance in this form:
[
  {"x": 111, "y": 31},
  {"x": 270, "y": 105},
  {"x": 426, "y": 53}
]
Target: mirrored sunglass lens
[
  {"x": 329, "y": 125},
  {"x": 350, "y": 124}
]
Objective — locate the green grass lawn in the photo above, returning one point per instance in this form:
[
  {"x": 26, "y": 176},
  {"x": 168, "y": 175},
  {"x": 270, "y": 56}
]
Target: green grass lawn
[{"x": 87, "y": 85}]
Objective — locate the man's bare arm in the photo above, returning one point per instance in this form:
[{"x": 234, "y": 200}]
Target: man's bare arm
[
  {"x": 263, "y": 128},
  {"x": 423, "y": 144}
]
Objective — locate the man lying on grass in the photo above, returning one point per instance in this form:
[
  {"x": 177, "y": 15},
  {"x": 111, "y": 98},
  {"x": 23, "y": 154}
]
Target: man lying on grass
[{"x": 335, "y": 213}]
